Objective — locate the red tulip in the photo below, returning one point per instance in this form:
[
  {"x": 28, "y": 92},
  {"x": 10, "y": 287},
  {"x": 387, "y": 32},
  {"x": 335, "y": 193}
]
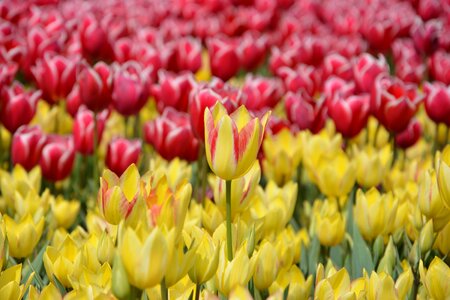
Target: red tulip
[
  {"x": 7, "y": 73},
  {"x": 262, "y": 92},
  {"x": 173, "y": 90},
  {"x": 440, "y": 66},
  {"x": 17, "y": 106},
  {"x": 252, "y": 50},
  {"x": 437, "y": 102},
  {"x": 408, "y": 63},
  {"x": 223, "y": 58},
  {"x": 27, "y": 144},
  {"x": 94, "y": 39},
  {"x": 123, "y": 50},
  {"x": 350, "y": 114},
  {"x": 55, "y": 76},
  {"x": 409, "y": 136},
  {"x": 426, "y": 35},
  {"x": 335, "y": 85},
  {"x": 429, "y": 9},
  {"x": 380, "y": 29},
  {"x": 304, "y": 112},
  {"x": 303, "y": 77},
  {"x": 83, "y": 130},
  {"x": 73, "y": 101},
  {"x": 95, "y": 86},
  {"x": 172, "y": 136},
  {"x": 121, "y": 153},
  {"x": 337, "y": 65},
  {"x": 394, "y": 103},
  {"x": 279, "y": 59},
  {"x": 131, "y": 88},
  {"x": 366, "y": 69},
  {"x": 188, "y": 55},
  {"x": 57, "y": 158},
  {"x": 149, "y": 57}
]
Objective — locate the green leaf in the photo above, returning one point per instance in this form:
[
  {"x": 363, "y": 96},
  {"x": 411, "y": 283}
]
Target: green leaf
[
  {"x": 360, "y": 255},
  {"x": 337, "y": 256},
  {"x": 59, "y": 285},
  {"x": 313, "y": 257},
  {"x": 36, "y": 267},
  {"x": 304, "y": 259}
]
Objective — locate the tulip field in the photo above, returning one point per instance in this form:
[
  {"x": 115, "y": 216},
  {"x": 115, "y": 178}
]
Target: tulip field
[{"x": 225, "y": 149}]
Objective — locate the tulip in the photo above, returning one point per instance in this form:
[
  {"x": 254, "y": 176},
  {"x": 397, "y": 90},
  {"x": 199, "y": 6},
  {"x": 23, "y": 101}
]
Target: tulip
[
  {"x": 283, "y": 153},
  {"x": 173, "y": 90},
  {"x": 235, "y": 272},
  {"x": 350, "y": 115},
  {"x": 23, "y": 236},
  {"x": 206, "y": 257},
  {"x": 266, "y": 266},
  {"x": 119, "y": 281},
  {"x": 370, "y": 213},
  {"x": 442, "y": 239},
  {"x": 394, "y": 103},
  {"x": 95, "y": 86},
  {"x": 426, "y": 35},
  {"x": 18, "y": 106},
  {"x": 55, "y": 76},
  {"x": 382, "y": 286},
  {"x": 223, "y": 58},
  {"x": 330, "y": 225},
  {"x": 180, "y": 262},
  {"x": 27, "y": 144},
  {"x": 440, "y": 66},
  {"x": 105, "y": 249},
  {"x": 303, "y": 77},
  {"x": 238, "y": 137},
  {"x": 336, "y": 176},
  {"x": 93, "y": 38},
  {"x": 252, "y": 50},
  {"x": 336, "y": 285},
  {"x": 437, "y": 102},
  {"x": 262, "y": 92},
  {"x": 83, "y": 130},
  {"x": 10, "y": 279},
  {"x": 435, "y": 279},
  {"x": 212, "y": 217},
  {"x": 65, "y": 212},
  {"x": 366, "y": 69},
  {"x": 59, "y": 261},
  {"x": 337, "y": 65},
  {"x": 379, "y": 29},
  {"x": 410, "y": 135},
  {"x": 48, "y": 292},
  {"x": 73, "y": 101},
  {"x": 335, "y": 86},
  {"x": 299, "y": 287},
  {"x": 117, "y": 196},
  {"x": 145, "y": 257},
  {"x": 304, "y": 112},
  {"x": 188, "y": 55},
  {"x": 443, "y": 174},
  {"x": 130, "y": 88},
  {"x": 57, "y": 158},
  {"x": 172, "y": 136},
  {"x": 242, "y": 190},
  {"x": 372, "y": 165},
  {"x": 121, "y": 153},
  {"x": 429, "y": 9}
]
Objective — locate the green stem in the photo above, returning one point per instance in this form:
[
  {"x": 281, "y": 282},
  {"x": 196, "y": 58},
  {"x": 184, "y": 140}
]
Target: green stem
[
  {"x": 229, "y": 236},
  {"x": 95, "y": 164},
  {"x": 164, "y": 290},
  {"x": 197, "y": 291}
]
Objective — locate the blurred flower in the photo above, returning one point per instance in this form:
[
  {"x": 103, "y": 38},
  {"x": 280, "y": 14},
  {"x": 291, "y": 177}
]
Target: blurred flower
[
  {"x": 23, "y": 235},
  {"x": 299, "y": 287},
  {"x": 335, "y": 284},
  {"x": 261, "y": 92},
  {"x": 437, "y": 102},
  {"x": 372, "y": 165},
  {"x": 410, "y": 135},
  {"x": 95, "y": 86},
  {"x": 266, "y": 266},
  {"x": 83, "y": 130},
  {"x": 330, "y": 225},
  {"x": 434, "y": 279},
  {"x": 131, "y": 88},
  {"x": 172, "y": 136},
  {"x": 440, "y": 66},
  {"x": 65, "y": 212},
  {"x": 27, "y": 144},
  {"x": 366, "y": 69},
  {"x": 55, "y": 76},
  {"x": 173, "y": 90},
  {"x": 18, "y": 106},
  {"x": 282, "y": 155},
  {"x": 57, "y": 158},
  {"x": 370, "y": 213},
  {"x": 337, "y": 65},
  {"x": 305, "y": 112},
  {"x": 10, "y": 283},
  {"x": 224, "y": 58},
  {"x": 121, "y": 153},
  {"x": 237, "y": 136},
  {"x": 443, "y": 174},
  {"x": 304, "y": 77},
  {"x": 117, "y": 196}
]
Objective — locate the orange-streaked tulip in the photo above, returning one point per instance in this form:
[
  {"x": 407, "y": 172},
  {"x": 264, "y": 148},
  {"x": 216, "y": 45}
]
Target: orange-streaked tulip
[{"x": 232, "y": 141}]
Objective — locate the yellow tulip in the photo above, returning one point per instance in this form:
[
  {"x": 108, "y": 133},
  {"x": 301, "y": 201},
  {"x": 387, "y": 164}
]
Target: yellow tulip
[
  {"x": 180, "y": 262},
  {"x": 3, "y": 244},
  {"x": 18, "y": 181},
  {"x": 370, "y": 214},
  {"x": 404, "y": 283},
  {"x": 240, "y": 293},
  {"x": 177, "y": 171},
  {"x": 206, "y": 257},
  {"x": 435, "y": 279},
  {"x": 59, "y": 261},
  {"x": 117, "y": 196},
  {"x": 65, "y": 212},
  {"x": 371, "y": 165},
  {"x": 211, "y": 216},
  {"x": 282, "y": 155},
  {"x": 380, "y": 286},
  {"x": 105, "y": 248},
  {"x": 266, "y": 266},
  {"x": 240, "y": 230},
  {"x": 444, "y": 175},
  {"x": 10, "y": 287},
  {"x": 330, "y": 225},
  {"x": 231, "y": 274},
  {"x": 32, "y": 204},
  {"x": 443, "y": 240},
  {"x": 52, "y": 119},
  {"x": 299, "y": 287},
  {"x": 336, "y": 285},
  {"x": 49, "y": 292},
  {"x": 430, "y": 201},
  {"x": 23, "y": 236},
  {"x": 232, "y": 141},
  {"x": 98, "y": 282},
  {"x": 335, "y": 175},
  {"x": 242, "y": 190},
  {"x": 145, "y": 256},
  {"x": 288, "y": 245}
]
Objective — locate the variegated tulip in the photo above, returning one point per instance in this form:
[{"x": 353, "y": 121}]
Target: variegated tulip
[
  {"x": 117, "y": 196},
  {"x": 232, "y": 141}
]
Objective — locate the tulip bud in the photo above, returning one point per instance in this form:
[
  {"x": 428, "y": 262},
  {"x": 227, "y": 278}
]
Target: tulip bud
[
  {"x": 206, "y": 257},
  {"x": 252, "y": 50},
  {"x": 18, "y": 106},
  {"x": 410, "y": 135},
  {"x": 119, "y": 282},
  {"x": 65, "y": 212},
  {"x": 330, "y": 225},
  {"x": 188, "y": 55},
  {"x": 370, "y": 213},
  {"x": 224, "y": 59},
  {"x": 105, "y": 249},
  {"x": 57, "y": 158},
  {"x": 366, "y": 69},
  {"x": 95, "y": 86},
  {"x": 387, "y": 262},
  {"x": 83, "y": 130},
  {"x": 437, "y": 102},
  {"x": 94, "y": 38},
  {"x": 27, "y": 144},
  {"x": 211, "y": 216},
  {"x": 172, "y": 136},
  {"x": 266, "y": 266},
  {"x": 73, "y": 101},
  {"x": 251, "y": 242},
  {"x": 121, "y": 153},
  {"x": 426, "y": 237}
]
